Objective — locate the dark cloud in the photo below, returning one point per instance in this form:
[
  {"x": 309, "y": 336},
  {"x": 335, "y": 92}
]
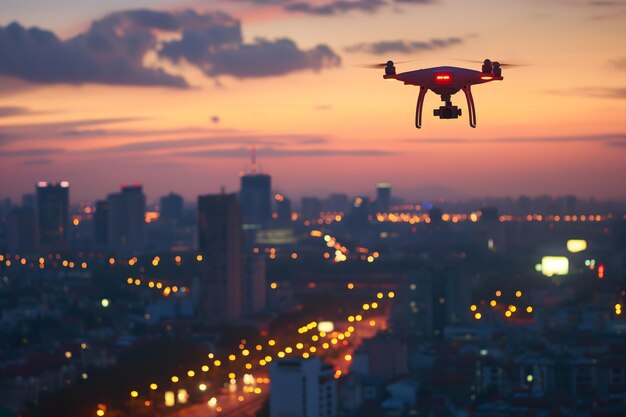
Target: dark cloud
[
  {"x": 335, "y": 7},
  {"x": 112, "y": 50},
  {"x": 172, "y": 144},
  {"x": 108, "y": 53},
  {"x": 607, "y": 138},
  {"x": 34, "y": 162},
  {"x": 215, "y": 119},
  {"x": 405, "y": 47},
  {"x": 13, "y": 111},
  {"x": 35, "y": 131},
  {"x": 11, "y": 85},
  {"x": 596, "y": 92},
  {"x": 273, "y": 152},
  {"x": 605, "y": 3},
  {"x": 267, "y": 58},
  {"x": 415, "y": 1},
  {"x": 619, "y": 63},
  {"x": 100, "y": 132},
  {"x": 17, "y": 153},
  {"x": 615, "y": 14}
]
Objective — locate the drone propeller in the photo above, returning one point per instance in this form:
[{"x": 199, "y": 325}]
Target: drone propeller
[
  {"x": 383, "y": 64},
  {"x": 502, "y": 64}
]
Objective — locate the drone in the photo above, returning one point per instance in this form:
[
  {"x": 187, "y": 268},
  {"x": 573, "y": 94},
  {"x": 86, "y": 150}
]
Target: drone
[{"x": 446, "y": 81}]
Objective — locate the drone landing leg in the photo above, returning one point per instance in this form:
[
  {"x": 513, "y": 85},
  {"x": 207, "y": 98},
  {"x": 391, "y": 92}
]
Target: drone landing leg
[
  {"x": 420, "y": 105},
  {"x": 470, "y": 105}
]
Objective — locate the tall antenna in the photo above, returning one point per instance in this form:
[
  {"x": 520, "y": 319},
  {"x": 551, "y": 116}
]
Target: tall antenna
[{"x": 254, "y": 166}]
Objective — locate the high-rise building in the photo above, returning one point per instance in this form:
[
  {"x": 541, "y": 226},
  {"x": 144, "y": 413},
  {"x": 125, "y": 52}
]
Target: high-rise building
[
  {"x": 383, "y": 196},
  {"x": 126, "y": 220},
  {"x": 220, "y": 240},
  {"x": 171, "y": 207},
  {"x": 338, "y": 203},
  {"x": 283, "y": 208},
  {"x": 384, "y": 355},
  {"x": 256, "y": 198},
  {"x": 254, "y": 285},
  {"x": 101, "y": 224},
  {"x": 53, "y": 215},
  {"x": 358, "y": 217},
  {"x": 21, "y": 230},
  {"x": 29, "y": 200},
  {"x": 311, "y": 208},
  {"x": 435, "y": 298},
  {"x": 302, "y": 388}
]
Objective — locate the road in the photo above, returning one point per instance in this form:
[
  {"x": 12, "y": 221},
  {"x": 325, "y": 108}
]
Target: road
[{"x": 238, "y": 403}]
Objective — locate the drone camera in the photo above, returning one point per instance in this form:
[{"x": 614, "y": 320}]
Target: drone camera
[{"x": 448, "y": 112}]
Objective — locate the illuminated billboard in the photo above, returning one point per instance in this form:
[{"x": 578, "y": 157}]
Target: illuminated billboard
[
  {"x": 275, "y": 237},
  {"x": 554, "y": 265},
  {"x": 576, "y": 245}
]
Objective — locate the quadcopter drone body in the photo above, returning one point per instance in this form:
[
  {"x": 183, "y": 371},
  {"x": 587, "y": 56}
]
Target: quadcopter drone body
[{"x": 446, "y": 81}]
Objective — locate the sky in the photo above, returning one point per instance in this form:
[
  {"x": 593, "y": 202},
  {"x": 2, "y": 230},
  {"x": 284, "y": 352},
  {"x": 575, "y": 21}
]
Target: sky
[{"x": 175, "y": 94}]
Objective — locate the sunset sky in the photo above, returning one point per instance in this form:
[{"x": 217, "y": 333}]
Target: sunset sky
[{"x": 173, "y": 95}]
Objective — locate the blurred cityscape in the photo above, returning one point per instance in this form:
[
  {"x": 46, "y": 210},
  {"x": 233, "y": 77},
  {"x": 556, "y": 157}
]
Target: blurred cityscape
[{"x": 251, "y": 304}]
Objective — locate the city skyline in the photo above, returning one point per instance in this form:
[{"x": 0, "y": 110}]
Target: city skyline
[{"x": 318, "y": 122}]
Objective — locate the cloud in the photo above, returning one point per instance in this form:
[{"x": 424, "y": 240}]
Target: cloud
[
  {"x": 596, "y": 92},
  {"x": 335, "y": 7},
  {"x": 266, "y": 58},
  {"x": 619, "y": 63},
  {"x": 35, "y": 131},
  {"x": 604, "y": 3},
  {"x": 17, "y": 153},
  {"x": 11, "y": 85},
  {"x": 35, "y": 162},
  {"x": 100, "y": 55},
  {"x": 415, "y": 1},
  {"x": 112, "y": 50},
  {"x": 100, "y": 132},
  {"x": 405, "y": 47},
  {"x": 273, "y": 152},
  {"x": 13, "y": 111},
  {"x": 172, "y": 144},
  {"x": 611, "y": 139}
]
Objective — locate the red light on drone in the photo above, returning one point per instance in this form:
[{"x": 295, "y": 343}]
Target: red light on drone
[
  {"x": 443, "y": 78},
  {"x": 486, "y": 77},
  {"x": 601, "y": 271}
]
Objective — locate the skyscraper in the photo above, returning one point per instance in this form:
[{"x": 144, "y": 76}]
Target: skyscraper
[
  {"x": 220, "y": 240},
  {"x": 283, "y": 208},
  {"x": 302, "y": 388},
  {"x": 53, "y": 215},
  {"x": 358, "y": 217},
  {"x": 127, "y": 211},
  {"x": 311, "y": 208},
  {"x": 256, "y": 198},
  {"x": 254, "y": 285},
  {"x": 383, "y": 196},
  {"x": 171, "y": 207},
  {"x": 101, "y": 224},
  {"x": 338, "y": 203},
  {"x": 21, "y": 230}
]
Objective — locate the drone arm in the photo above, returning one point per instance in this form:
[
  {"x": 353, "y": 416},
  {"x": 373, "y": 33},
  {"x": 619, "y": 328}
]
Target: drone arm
[
  {"x": 420, "y": 105},
  {"x": 470, "y": 105}
]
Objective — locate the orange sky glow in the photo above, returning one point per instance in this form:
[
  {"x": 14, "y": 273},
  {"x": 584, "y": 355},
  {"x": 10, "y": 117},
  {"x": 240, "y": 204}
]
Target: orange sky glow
[{"x": 556, "y": 126}]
